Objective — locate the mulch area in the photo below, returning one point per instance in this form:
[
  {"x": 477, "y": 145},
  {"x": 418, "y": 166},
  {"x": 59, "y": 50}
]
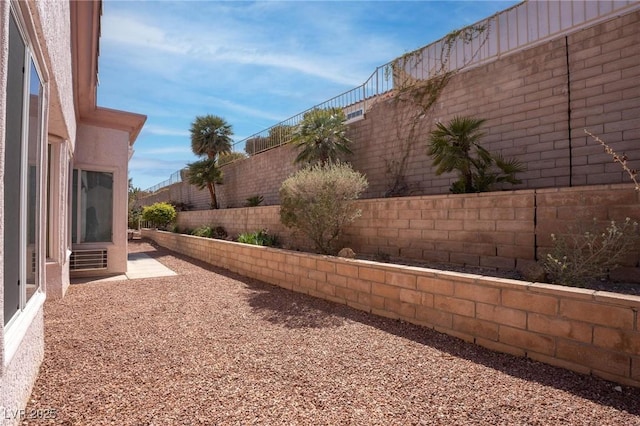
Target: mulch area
[{"x": 211, "y": 347}]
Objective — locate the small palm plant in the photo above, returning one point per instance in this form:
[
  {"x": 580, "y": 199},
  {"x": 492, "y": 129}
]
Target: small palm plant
[
  {"x": 204, "y": 174},
  {"x": 321, "y": 136},
  {"x": 452, "y": 148}
]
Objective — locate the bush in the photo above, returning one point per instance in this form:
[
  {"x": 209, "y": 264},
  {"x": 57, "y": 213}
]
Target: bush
[
  {"x": 230, "y": 157},
  {"x": 133, "y": 218},
  {"x": 210, "y": 232},
  {"x": 159, "y": 214},
  {"x": 318, "y": 201},
  {"x": 587, "y": 254},
  {"x": 259, "y": 238},
  {"x": 254, "y": 201},
  {"x": 455, "y": 147}
]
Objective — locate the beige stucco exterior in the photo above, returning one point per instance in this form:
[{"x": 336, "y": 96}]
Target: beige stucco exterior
[{"x": 62, "y": 41}]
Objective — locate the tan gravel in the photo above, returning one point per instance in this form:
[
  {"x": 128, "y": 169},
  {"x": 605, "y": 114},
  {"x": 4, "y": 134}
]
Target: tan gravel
[{"x": 211, "y": 347}]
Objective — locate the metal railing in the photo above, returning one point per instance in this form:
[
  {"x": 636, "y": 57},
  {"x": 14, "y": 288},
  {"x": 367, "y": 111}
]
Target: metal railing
[
  {"x": 353, "y": 102},
  {"x": 174, "y": 178},
  {"x": 506, "y": 31}
]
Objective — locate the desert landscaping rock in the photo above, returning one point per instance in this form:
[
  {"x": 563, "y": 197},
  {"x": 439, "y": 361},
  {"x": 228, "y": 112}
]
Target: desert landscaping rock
[{"x": 210, "y": 347}]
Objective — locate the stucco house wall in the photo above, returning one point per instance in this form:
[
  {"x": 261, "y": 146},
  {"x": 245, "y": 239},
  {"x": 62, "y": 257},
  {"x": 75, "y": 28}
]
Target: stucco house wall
[
  {"x": 61, "y": 39},
  {"x": 102, "y": 149}
]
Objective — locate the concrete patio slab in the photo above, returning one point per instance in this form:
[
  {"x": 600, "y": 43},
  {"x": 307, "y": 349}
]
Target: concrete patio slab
[{"x": 139, "y": 265}]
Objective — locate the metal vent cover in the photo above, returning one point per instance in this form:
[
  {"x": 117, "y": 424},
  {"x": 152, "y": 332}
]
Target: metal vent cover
[{"x": 86, "y": 260}]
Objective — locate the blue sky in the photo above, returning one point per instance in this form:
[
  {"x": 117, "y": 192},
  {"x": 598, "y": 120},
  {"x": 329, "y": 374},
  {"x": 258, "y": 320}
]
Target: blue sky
[{"x": 252, "y": 63}]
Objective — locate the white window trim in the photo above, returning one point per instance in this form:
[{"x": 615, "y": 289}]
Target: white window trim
[
  {"x": 17, "y": 327},
  {"x": 90, "y": 168}
]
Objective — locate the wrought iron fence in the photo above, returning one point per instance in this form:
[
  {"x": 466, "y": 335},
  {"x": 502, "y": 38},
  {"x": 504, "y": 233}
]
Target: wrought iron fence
[
  {"x": 353, "y": 102},
  {"x": 174, "y": 178},
  {"x": 505, "y": 31}
]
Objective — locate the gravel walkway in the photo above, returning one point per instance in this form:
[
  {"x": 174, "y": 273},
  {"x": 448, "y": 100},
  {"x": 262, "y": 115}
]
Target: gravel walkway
[{"x": 210, "y": 347}]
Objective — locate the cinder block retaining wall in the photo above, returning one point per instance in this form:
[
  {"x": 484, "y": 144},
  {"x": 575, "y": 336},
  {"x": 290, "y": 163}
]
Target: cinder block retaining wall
[
  {"x": 505, "y": 230},
  {"x": 590, "y": 332},
  {"x": 537, "y": 103}
]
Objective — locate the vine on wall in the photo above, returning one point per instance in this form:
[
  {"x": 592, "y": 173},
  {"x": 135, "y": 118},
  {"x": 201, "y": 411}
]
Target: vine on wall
[{"x": 415, "y": 98}]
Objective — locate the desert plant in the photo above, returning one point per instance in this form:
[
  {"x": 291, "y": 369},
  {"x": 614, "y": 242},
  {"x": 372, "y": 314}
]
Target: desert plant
[
  {"x": 318, "y": 201},
  {"x": 133, "y": 218},
  {"x": 321, "y": 136},
  {"x": 229, "y": 157},
  {"x": 202, "y": 231},
  {"x": 256, "y": 144},
  {"x": 210, "y": 232},
  {"x": 259, "y": 238},
  {"x": 620, "y": 159},
  {"x": 450, "y": 146},
  {"x": 280, "y": 134},
  {"x": 590, "y": 252},
  {"x": 254, "y": 201},
  {"x": 204, "y": 174},
  {"x": 159, "y": 214},
  {"x": 210, "y": 137}
]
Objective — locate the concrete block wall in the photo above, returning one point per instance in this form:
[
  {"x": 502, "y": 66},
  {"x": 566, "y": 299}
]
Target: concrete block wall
[
  {"x": 259, "y": 175},
  {"x": 537, "y": 103},
  {"x": 503, "y": 230},
  {"x": 492, "y": 229},
  {"x": 605, "y": 97},
  {"x": 590, "y": 332}
]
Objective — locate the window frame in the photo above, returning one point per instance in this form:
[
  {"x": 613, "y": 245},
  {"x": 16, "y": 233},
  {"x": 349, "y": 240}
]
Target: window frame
[
  {"x": 76, "y": 209},
  {"x": 28, "y": 306}
]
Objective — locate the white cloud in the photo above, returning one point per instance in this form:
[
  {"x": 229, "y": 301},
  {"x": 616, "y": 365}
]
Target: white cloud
[
  {"x": 163, "y": 131},
  {"x": 165, "y": 150},
  {"x": 179, "y": 47}
]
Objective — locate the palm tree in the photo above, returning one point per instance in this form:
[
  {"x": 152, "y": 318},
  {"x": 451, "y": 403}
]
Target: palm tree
[
  {"x": 450, "y": 147},
  {"x": 210, "y": 136},
  {"x": 321, "y": 136},
  {"x": 204, "y": 174}
]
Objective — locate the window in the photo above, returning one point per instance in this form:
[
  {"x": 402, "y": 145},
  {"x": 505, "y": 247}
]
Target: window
[
  {"x": 92, "y": 206},
  {"x": 22, "y": 198}
]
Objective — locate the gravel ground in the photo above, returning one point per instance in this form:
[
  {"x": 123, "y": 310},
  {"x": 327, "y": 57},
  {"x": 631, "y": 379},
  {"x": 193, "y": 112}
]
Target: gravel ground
[{"x": 211, "y": 347}]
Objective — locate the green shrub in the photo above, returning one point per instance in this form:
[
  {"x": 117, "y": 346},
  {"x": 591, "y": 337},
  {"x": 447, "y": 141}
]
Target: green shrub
[
  {"x": 259, "y": 238},
  {"x": 318, "y": 201},
  {"x": 254, "y": 201},
  {"x": 589, "y": 252},
  {"x": 230, "y": 157},
  {"x": 159, "y": 214},
  {"x": 210, "y": 232},
  {"x": 455, "y": 147},
  {"x": 133, "y": 218}
]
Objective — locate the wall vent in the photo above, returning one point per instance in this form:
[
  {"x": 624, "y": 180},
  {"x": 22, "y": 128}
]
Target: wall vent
[
  {"x": 86, "y": 260},
  {"x": 353, "y": 115}
]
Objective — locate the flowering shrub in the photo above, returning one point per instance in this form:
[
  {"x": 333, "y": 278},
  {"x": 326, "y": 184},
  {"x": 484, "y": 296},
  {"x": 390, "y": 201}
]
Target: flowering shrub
[{"x": 589, "y": 254}]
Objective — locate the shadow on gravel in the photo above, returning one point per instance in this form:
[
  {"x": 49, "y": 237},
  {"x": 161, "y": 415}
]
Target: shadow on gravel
[{"x": 297, "y": 310}]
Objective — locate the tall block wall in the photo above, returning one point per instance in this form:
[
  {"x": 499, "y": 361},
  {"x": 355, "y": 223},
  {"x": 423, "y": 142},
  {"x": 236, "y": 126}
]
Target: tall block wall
[
  {"x": 590, "y": 332},
  {"x": 537, "y": 103},
  {"x": 504, "y": 230}
]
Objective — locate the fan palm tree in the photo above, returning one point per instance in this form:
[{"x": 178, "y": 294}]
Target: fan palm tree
[
  {"x": 204, "y": 174},
  {"x": 210, "y": 137},
  {"x": 451, "y": 148},
  {"x": 321, "y": 136}
]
